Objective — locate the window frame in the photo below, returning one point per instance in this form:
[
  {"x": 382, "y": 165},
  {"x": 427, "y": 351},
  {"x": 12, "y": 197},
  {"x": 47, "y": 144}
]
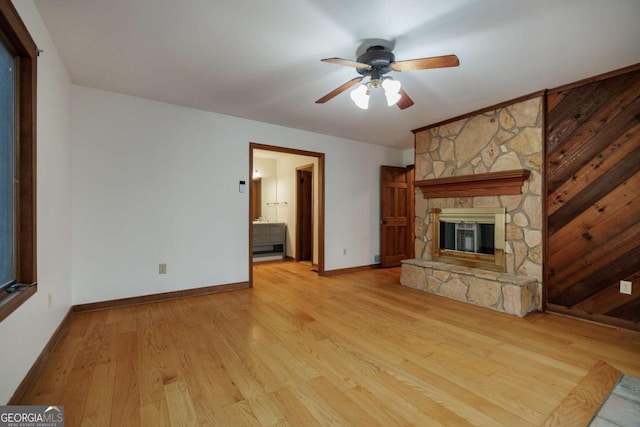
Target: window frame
[{"x": 15, "y": 36}]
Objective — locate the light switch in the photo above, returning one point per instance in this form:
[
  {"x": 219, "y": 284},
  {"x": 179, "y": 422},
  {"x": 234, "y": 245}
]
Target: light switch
[{"x": 625, "y": 287}]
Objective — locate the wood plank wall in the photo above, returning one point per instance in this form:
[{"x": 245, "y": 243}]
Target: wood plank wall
[{"x": 593, "y": 198}]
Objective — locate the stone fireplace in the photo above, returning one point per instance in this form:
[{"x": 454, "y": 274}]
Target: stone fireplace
[{"x": 488, "y": 162}]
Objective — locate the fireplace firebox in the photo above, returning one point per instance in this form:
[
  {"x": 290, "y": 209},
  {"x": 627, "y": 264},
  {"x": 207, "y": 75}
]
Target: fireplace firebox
[{"x": 473, "y": 237}]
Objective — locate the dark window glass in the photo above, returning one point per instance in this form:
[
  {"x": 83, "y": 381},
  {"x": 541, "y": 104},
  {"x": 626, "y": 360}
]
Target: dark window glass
[
  {"x": 7, "y": 167},
  {"x": 447, "y": 235},
  {"x": 486, "y": 238}
]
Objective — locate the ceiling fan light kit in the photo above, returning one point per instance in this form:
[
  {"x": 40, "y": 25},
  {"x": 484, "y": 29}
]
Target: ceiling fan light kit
[
  {"x": 391, "y": 90},
  {"x": 361, "y": 94},
  {"x": 375, "y": 63}
]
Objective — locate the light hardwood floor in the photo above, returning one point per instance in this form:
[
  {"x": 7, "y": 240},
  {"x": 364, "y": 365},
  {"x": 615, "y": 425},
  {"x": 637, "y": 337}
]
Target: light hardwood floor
[{"x": 302, "y": 350}]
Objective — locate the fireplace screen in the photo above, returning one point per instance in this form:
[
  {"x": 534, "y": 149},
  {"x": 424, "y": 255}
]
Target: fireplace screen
[
  {"x": 467, "y": 237},
  {"x": 473, "y": 237}
]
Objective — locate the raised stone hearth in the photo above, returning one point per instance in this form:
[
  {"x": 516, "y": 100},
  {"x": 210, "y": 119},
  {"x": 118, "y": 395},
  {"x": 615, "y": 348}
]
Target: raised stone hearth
[{"x": 508, "y": 293}]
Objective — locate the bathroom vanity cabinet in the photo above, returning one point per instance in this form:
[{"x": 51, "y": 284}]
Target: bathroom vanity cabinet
[{"x": 269, "y": 240}]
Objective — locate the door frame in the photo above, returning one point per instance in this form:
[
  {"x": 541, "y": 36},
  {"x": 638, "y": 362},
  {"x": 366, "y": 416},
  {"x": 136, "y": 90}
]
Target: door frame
[
  {"x": 320, "y": 156},
  {"x": 255, "y": 184}
]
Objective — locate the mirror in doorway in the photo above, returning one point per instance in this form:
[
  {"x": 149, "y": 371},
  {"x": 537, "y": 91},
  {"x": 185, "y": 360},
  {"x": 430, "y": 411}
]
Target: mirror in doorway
[{"x": 263, "y": 199}]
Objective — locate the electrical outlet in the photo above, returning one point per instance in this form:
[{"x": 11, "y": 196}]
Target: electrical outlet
[
  {"x": 344, "y": 252},
  {"x": 625, "y": 287},
  {"x": 162, "y": 268}
]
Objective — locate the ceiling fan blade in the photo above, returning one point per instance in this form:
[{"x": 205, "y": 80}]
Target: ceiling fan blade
[
  {"x": 426, "y": 63},
  {"x": 339, "y": 90},
  {"x": 348, "y": 63},
  {"x": 405, "y": 100}
]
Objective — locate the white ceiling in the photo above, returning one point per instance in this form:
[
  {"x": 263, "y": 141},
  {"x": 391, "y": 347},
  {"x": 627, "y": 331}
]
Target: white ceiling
[{"x": 260, "y": 59}]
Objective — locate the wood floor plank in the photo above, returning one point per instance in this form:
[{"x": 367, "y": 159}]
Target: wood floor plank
[
  {"x": 159, "y": 363},
  {"x": 361, "y": 341},
  {"x": 125, "y": 403},
  {"x": 470, "y": 401},
  {"x": 379, "y": 410},
  {"x": 385, "y": 393},
  {"x": 307, "y": 347},
  {"x": 238, "y": 414},
  {"x": 350, "y": 411},
  {"x": 299, "y": 349},
  {"x": 316, "y": 405},
  {"x": 288, "y": 364},
  {"x": 155, "y": 414},
  {"x": 584, "y": 400},
  {"x": 296, "y": 413},
  {"x": 466, "y": 377},
  {"x": 54, "y": 376},
  {"x": 260, "y": 370},
  {"x": 422, "y": 396},
  {"x": 97, "y": 409},
  {"x": 211, "y": 386},
  {"x": 76, "y": 389},
  {"x": 180, "y": 404},
  {"x": 266, "y": 409}
]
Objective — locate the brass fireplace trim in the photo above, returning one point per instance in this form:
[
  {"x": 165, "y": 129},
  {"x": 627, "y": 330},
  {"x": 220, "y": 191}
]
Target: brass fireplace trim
[{"x": 496, "y": 216}]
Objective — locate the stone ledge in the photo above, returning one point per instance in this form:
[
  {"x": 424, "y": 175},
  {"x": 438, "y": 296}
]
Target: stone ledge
[{"x": 503, "y": 292}]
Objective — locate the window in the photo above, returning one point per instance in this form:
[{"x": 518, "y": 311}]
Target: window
[
  {"x": 18, "y": 59},
  {"x": 7, "y": 168}
]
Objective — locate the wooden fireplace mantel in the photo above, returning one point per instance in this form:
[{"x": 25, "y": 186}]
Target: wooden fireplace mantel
[{"x": 482, "y": 184}]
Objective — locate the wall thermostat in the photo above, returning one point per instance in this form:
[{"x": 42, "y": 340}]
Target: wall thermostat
[{"x": 243, "y": 186}]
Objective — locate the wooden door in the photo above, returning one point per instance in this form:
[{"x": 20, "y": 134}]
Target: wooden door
[
  {"x": 304, "y": 216},
  {"x": 396, "y": 222}
]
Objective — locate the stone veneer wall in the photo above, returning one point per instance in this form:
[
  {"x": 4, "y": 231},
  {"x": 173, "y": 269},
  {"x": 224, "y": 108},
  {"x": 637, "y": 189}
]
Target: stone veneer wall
[{"x": 503, "y": 139}]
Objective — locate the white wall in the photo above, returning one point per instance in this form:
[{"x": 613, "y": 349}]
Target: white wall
[
  {"x": 352, "y": 215},
  {"x": 408, "y": 156},
  {"x": 155, "y": 182},
  {"x": 27, "y": 330}
]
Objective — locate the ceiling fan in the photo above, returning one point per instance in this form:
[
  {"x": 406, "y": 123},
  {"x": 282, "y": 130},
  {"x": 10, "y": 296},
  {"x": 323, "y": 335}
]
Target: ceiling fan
[{"x": 374, "y": 63}]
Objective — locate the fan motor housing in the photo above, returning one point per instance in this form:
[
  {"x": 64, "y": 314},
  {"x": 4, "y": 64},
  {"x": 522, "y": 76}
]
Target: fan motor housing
[{"x": 379, "y": 58}]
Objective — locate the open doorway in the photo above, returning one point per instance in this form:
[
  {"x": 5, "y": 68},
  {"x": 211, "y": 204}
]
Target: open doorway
[{"x": 277, "y": 171}]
